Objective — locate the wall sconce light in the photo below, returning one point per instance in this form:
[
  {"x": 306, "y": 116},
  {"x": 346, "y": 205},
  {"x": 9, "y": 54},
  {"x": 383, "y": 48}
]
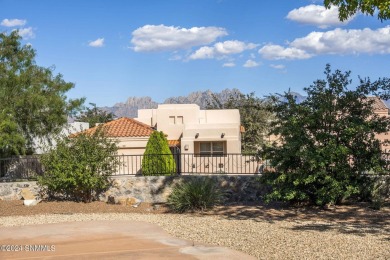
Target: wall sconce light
[
  {"x": 186, "y": 147},
  {"x": 222, "y": 135},
  {"x": 196, "y": 135}
]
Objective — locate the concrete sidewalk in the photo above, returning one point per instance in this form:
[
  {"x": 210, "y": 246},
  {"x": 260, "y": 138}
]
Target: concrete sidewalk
[{"x": 103, "y": 240}]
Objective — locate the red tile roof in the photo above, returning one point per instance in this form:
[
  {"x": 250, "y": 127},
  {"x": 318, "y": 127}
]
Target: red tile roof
[
  {"x": 123, "y": 127},
  {"x": 173, "y": 143}
]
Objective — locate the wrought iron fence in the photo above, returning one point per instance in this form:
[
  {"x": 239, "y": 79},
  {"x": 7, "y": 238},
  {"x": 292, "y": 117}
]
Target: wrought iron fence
[
  {"x": 29, "y": 167},
  {"x": 26, "y": 167},
  {"x": 221, "y": 164},
  {"x": 197, "y": 164}
]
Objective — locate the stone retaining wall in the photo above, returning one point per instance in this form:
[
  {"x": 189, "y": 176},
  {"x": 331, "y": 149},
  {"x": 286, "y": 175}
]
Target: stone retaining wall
[
  {"x": 153, "y": 189},
  {"x": 12, "y": 190}
]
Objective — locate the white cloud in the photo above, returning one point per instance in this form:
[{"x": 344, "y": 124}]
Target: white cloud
[
  {"x": 336, "y": 42},
  {"x": 229, "y": 64},
  {"x": 277, "y": 66},
  {"x": 317, "y": 15},
  {"x": 26, "y": 33},
  {"x": 343, "y": 42},
  {"x": 277, "y": 52},
  {"x": 232, "y": 47},
  {"x": 221, "y": 49},
  {"x": 203, "y": 53},
  {"x": 13, "y": 22},
  {"x": 167, "y": 38},
  {"x": 251, "y": 64},
  {"x": 97, "y": 43}
]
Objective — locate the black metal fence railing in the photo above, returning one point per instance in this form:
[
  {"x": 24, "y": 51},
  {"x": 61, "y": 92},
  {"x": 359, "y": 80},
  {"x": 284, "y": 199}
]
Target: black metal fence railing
[
  {"x": 26, "y": 167},
  {"x": 221, "y": 164},
  {"x": 29, "y": 167},
  {"x": 195, "y": 164}
]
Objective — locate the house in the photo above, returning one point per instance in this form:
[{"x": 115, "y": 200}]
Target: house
[
  {"x": 202, "y": 141},
  {"x": 131, "y": 135},
  {"x": 196, "y": 131},
  {"x": 41, "y": 144},
  {"x": 381, "y": 110}
]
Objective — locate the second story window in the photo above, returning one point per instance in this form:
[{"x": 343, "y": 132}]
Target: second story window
[
  {"x": 179, "y": 120},
  {"x": 176, "y": 120}
]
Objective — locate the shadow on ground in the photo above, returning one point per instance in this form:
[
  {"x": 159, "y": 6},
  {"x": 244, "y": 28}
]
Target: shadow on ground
[{"x": 358, "y": 219}]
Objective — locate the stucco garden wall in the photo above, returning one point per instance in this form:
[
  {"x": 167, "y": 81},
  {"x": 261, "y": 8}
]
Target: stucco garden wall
[{"x": 153, "y": 189}]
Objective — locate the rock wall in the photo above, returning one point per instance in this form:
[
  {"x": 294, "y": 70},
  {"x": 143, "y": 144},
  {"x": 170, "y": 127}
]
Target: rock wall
[
  {"x": 13, "y": 190},
  {"x": 157, "y": 188},
  {"x": 153, "y": 189}
]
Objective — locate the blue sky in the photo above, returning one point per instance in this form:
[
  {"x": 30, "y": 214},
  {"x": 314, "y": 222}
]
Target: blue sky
[{"x": 114, "y": 49}]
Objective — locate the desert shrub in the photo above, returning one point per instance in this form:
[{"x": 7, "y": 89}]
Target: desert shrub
[
  {"x": 326, "y": 141},
  {"x": 78, "y": 167},
  {"x": 158, "y": 159},
  {"x": 300, "y": 188},
  {"x": 195, "y": 194},
  {"x": 380, "y": 192}
]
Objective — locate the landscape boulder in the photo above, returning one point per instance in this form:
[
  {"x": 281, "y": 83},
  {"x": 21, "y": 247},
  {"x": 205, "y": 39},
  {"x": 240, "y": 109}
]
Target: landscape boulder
[
  {"x": 124, "y": 200},
  {"x": 27, "y": 194}
]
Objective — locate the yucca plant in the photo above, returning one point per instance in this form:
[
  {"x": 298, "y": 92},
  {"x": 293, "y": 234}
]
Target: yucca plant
[{"x": 197, "y": 193}]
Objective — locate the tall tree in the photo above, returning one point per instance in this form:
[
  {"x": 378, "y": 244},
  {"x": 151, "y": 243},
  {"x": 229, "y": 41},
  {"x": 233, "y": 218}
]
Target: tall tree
[
  {"x": 327, "y": 140},
  {"x": 94, "y": 115},
  {"x": 11, "y": 141},
  {"x": 348, "y": 8},
  {"x": 255, "y": 118},
  {"x": 31, "y": 96}
]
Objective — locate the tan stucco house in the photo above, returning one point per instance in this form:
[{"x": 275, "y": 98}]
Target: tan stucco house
[
  {"x": 202, "y": 141},
  {"x": 196, "y": 131},
  {"x": 187, "y": 127}
]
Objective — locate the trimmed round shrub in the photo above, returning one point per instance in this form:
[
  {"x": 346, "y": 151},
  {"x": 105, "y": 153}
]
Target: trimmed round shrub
[{"x": 193, "y": 194}]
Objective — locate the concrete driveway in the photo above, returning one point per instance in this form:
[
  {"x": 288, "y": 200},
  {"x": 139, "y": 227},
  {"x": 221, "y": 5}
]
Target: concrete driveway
[{"x": 103, "y": 240}]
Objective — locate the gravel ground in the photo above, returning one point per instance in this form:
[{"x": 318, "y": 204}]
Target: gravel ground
[{"x": 348, "y": 232}]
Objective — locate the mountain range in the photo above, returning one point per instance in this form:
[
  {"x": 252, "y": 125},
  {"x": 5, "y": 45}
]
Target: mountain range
[{"x": 130, "y": 107}]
